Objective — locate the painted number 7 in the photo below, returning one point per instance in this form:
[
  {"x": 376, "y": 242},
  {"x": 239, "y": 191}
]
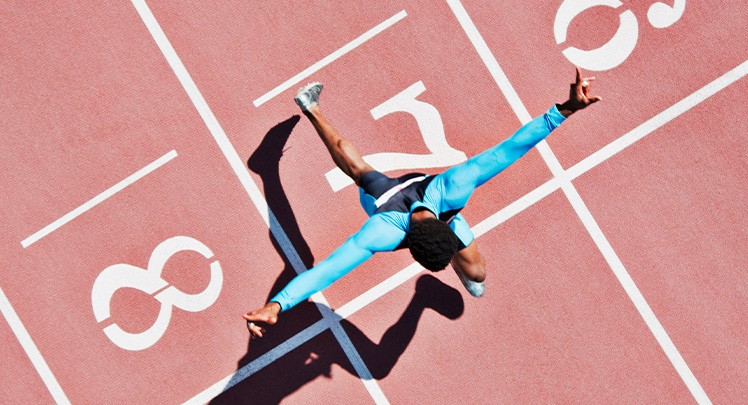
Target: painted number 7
[{"x": 432, "y": 130}]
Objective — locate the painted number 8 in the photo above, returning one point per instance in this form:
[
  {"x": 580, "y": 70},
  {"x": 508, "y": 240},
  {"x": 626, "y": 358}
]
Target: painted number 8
[{"x": 149, "y": 281}]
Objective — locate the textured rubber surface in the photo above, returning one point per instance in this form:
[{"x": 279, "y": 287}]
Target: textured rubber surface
[{"x": 90, "y": 100}]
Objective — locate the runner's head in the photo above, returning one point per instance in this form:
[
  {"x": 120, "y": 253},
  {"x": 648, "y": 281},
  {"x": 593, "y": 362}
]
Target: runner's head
[{"x": 432, "y": 243}]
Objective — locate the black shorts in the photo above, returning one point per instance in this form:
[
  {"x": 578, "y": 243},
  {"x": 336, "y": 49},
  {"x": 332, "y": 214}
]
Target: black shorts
[{"x": 375, "y": 183}]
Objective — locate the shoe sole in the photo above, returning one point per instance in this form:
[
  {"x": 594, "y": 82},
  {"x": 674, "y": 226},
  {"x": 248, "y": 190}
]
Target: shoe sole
[{"x": 304, "y": 90}]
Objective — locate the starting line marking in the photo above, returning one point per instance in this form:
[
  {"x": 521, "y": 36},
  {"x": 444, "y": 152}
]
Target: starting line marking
[
  {"x": 331, "y": 58},
  {"x": 31, "y": 350},
  {"x": 480, "y": 229},
  {"x": 258, "y": 199},
  {"x": 487, "y": 224},
  {"x": 659, "y": 120},
  {"x": 582, "y": 211},
  {"x": 98, "y": 199}
]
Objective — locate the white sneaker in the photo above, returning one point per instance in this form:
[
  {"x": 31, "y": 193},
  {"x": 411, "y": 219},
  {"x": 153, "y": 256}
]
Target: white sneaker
[
  {"x": 475, "y": 289},
  {"x": 308, "y": 96}
]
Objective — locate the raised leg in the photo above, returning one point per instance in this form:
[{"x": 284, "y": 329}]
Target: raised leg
[{"x": 343, "y": 153}]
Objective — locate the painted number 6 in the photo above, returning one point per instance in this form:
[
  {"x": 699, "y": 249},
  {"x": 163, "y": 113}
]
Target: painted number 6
[{"x": 623, "y": 42}]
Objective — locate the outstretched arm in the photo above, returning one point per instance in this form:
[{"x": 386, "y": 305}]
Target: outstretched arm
[
  {"x": 579, "y": 95},
  {"x": 375, "y": 236},
  {"x": 461, "y": 180}
]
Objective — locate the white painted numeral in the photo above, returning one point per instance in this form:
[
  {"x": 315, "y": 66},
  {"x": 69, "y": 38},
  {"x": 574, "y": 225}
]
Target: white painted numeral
[
  {"x": 622, "y": 44},
  {"x": 432, "y": 130},
  {"x": 660, "y": 15},
  {"x": 149, "y": 280}
]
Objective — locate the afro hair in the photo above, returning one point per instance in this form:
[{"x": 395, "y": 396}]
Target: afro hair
[{"x": 432, "y": 243}]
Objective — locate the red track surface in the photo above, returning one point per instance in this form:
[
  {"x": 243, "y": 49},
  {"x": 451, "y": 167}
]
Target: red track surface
[{"x": 89, "y": 99}]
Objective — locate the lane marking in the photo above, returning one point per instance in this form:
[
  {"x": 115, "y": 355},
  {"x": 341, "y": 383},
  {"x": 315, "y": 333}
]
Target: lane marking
[
  {"x": 516, "y": 207},
  {"x": 372, "y": 386},
  {"x": 491, "y": 63},
  {"x": 31, "y": 350},
  {"x": 366, "y": 298},
  {"x": 331, "y": 58},
  {"x": 581, "y": 209},
  {"x": 636, "y": 296},
  {"x": 259, "y": 363},
  {"x": 659, "y": 120},
  {"x": 379, "y": 290},
  {"x": 369, "y": 296},
  {"x": 236, "y": 163},
  {"x": 500, "y": 217},
  {"x": 98, "y": 199}
]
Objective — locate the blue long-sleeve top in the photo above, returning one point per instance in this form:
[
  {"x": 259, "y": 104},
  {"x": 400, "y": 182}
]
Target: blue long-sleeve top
[{"x": 445, "y": 195}]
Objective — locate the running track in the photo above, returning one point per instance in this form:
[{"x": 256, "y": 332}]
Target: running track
[{"x": 158, "y": 182}]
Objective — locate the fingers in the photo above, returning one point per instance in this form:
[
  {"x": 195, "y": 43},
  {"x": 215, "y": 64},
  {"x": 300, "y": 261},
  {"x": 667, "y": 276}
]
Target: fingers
[
  {"x": 263, "y": 316},
  {"x": 255, "y": 330},
  {"x": 583, "y": 86},
  {"x": 582, "y": 81},
  {"x": 256, "y": 316}
]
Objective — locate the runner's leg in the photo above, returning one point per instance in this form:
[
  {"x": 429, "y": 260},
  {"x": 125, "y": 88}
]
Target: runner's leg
[{"x": 343, "y": 153}]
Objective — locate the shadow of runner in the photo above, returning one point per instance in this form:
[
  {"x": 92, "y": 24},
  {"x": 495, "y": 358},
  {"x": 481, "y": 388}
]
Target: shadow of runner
[
  {"x": 316, "y": 357},
  {"x": 265, "y": 161}
]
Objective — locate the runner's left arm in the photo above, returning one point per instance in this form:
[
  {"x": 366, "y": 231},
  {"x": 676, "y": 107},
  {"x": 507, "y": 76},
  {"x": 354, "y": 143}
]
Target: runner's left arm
[{"x": 460, "y": 181}]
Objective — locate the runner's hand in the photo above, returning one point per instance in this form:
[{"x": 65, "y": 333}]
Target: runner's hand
[
  {"x": 579, "y": 95},
  {"x": 267, "y": 315}
]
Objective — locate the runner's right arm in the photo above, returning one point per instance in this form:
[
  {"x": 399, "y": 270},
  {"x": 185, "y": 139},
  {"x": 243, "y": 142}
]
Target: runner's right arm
[{"x": 376, "y": 235}]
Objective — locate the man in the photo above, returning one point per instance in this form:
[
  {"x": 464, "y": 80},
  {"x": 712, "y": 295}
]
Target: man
[{"x": 416, "y": 211}]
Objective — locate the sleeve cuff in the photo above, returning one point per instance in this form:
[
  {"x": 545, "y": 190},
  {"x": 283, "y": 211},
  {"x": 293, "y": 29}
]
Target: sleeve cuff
[{"x": 554, "y": 117}]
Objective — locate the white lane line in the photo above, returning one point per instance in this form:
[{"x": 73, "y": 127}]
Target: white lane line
[
  {"x": 487, "y": 57},
  {"x": 236, "y": 163},
  {"x": 636, "y": 296},
  {"x": 98, "y": 199},
  {"x": 31, "y": 350},
  {"x": 505, "y": 214},
  {"x": 581, "y": 209},
  {"x": 331, "y": 58},
  {"x": 659, "y": 120},
  {"x": 368, "y": 297},
  {"x": 478, "y": 230},
  {"x": 371, "y": 385},
  {"x": 516, "y": 207},
  {"x": 259, "y": 363},
  {"x": 379, "y": 290}
]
